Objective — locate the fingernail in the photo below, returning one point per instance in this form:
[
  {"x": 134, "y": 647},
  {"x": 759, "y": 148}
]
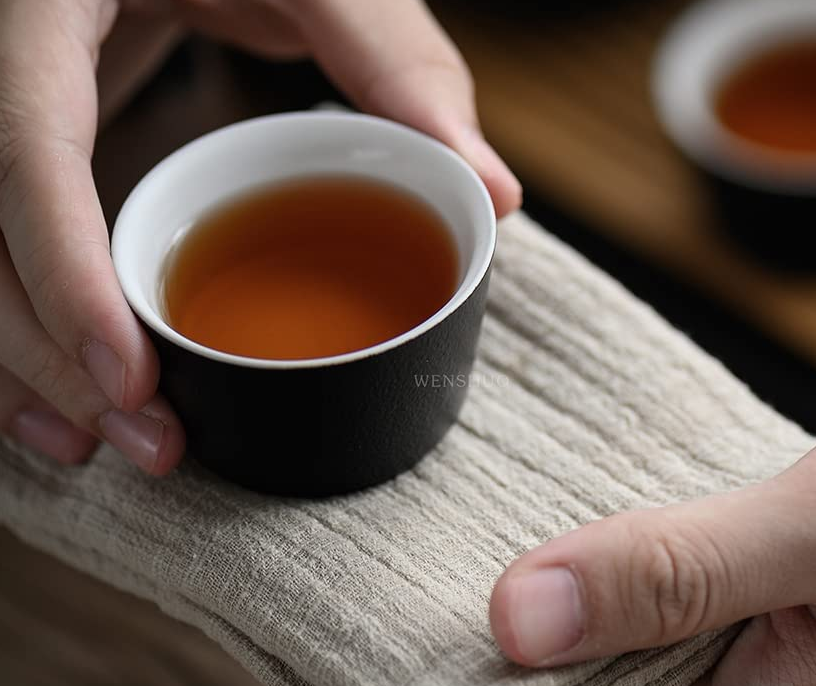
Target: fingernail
[
  {"x": 485, "y": 159},
  {"x": 107, "y": 369},
  {"x": 546, "y": 614},
  {"x": 505, "y": 189},
  {"x": 138, "y": 436},
  {"x": 50, "y": 434}
]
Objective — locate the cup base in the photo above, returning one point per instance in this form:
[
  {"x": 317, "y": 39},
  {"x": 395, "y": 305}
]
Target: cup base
[{"x": 281, "y": 482}]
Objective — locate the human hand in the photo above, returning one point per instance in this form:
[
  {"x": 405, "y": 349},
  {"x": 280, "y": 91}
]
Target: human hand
[
  {"x": 75, "y": 365},
  {"x": 654, "y": 577}
]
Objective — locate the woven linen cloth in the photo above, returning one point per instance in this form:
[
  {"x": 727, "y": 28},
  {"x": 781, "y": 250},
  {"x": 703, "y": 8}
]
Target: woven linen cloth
[{"x": 583, "y": 403}]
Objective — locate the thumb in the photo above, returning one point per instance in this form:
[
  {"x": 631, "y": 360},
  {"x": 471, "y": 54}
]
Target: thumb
[{"x": 654, "y": 577}]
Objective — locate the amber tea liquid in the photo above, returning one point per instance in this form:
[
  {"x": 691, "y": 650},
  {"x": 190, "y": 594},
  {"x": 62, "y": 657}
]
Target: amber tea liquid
[
  {"x": 771, "y": 99},
  {"x": 310, "y": 268}
]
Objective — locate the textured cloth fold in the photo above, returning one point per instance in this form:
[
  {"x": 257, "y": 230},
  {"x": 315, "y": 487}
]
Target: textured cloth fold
[{"x": 583, "y": 403}]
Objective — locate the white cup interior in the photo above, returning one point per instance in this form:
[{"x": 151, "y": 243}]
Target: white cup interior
[
  {"x": 232, "y": 160},
  {"x": 705, "y": 46}
]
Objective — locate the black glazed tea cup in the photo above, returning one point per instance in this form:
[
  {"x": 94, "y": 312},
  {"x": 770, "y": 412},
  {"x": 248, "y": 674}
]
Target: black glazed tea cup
[{"x": 311, "y": 427}]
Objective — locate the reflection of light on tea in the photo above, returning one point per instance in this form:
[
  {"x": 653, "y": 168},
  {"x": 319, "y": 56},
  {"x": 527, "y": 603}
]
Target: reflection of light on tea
[
  {"x": 310, "y": 268},
  {"x": 771, "y": 99}
]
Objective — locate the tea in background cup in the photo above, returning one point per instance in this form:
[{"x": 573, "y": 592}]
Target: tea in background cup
[{"x": 315, "y": 421}]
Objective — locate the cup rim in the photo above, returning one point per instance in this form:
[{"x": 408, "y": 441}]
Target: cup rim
[
  {"x": 703, "y": 46},
  {"x": 471, "y": 280}
]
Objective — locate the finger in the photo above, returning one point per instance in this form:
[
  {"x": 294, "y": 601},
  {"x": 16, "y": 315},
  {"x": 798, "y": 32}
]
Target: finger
[
  {"x": 257, "y": 25},
  {"x": 654, "y": 577},
  {"x": 31, "y": 421},
  {"x": 393, "y": 60},
  {"x": 49, "y": 212},
  {"x": 777, "y": 648},
  {"x": 397, "y": 62},
  {"x": 136, "y": 47},
  {"x": 152, "y": 438}
]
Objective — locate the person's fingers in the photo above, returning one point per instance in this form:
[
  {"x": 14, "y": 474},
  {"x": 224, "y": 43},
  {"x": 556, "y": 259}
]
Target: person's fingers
[
  {"x": 153, "y": 437},
  {"x": 262, "y": 26},
  {"x": 777, "y": 648},
  {"x": 49, "y": 212},
  {"x": 136, "y": 47},
  {"x": 30, "y": 420},
  {"x": 396, "y": 61},
  {"x": 654, "y": 577},
  {"x": 392, "y": 59}
]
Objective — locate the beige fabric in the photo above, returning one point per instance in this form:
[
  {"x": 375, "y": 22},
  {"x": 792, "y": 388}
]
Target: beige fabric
[{"x": 585, "y": 403}]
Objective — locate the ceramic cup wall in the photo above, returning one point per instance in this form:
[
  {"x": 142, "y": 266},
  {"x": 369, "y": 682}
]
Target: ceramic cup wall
[{"x": 319, "y": 426}]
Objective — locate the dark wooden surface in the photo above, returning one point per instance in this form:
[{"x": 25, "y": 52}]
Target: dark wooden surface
[{"x": 60, "y": 627}]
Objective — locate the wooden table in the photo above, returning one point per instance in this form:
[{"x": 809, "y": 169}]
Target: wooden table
[
  {"x": 59, "y": 627},
  {"x": 565, "y": 97}
]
